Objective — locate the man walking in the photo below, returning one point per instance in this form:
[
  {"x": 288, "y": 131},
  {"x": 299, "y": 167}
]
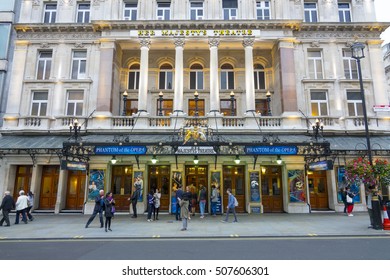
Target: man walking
[
  {"x": 179, "y": 196},
  {"x": 231, "y": 206},
  {"x": 21, "y": 206},
  {"x": 134, "y": 200},
  {"x": 214, "y": 200},
  {"x": 6, "y": 206},
  {"x": 99, "y": 207}
]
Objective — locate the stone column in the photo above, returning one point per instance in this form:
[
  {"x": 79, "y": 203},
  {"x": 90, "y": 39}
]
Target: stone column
[
  {"x": 178, "y": 98},
  {"x": 61, "y": 191},
  {"x": 59, "y": 94},
  {"x": 249, "y": 78},
  {"x": 214, "y": 79},
  {"x": 106, "y": 70},
  {"x": 143, "y": 80}
]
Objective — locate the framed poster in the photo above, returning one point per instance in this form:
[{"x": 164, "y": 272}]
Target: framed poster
[
  {"x": 216, "y": 181},
  {"x": 95, "y": 183},
  {"x": 254, "y": 186},
  {"x": 139, "y": 183},
  {"x": 342, "y": 183},
  {"x": 296, "y": 184}
]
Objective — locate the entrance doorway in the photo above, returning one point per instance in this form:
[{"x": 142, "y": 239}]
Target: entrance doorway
[
  {"x": 49, "y": 187},
  {"x": 23, "y": 179},
  {"x": 271, "y": 189},
  {"x": 196, "y": 176},
  {"x": 159, "y": 178},
  {"x": 234, "y": 178},
  {"x": 75, "y": 190},
  {"x": 318, "y": 190},
  {"x": 121, "y": 186}
]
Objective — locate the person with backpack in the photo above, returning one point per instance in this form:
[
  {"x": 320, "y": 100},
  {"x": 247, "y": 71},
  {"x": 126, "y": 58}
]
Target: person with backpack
[{"x": 232, "y": 203}]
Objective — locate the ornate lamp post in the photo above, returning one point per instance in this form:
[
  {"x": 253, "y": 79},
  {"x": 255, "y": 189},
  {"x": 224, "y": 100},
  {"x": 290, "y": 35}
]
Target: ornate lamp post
[
  {"x": 318, "y": 128},
  {"x": 268, "y": 95},
  {"x": 196, "y": 97},
  {"x": 75, "y": 128},
  {"x": 232, "y": 103},
  {"x": 125, "y": 94},
  {"x": 160, "y": 100}
]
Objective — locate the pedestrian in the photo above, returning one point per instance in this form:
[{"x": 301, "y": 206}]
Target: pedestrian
[
  {"x": 193, "y": 201},
  {"x": 109, "y": 211},
  {"x": 21, "y": 206},
  {"x": 179, "y": 196},
  {"x": 350, "y": 201},
  {"x": 30, "y": 198},
  {"x": 157, "y": 199},
  {"x": 214, "y": 200},
  {"x": 231, "y": 206},
  {"x": 370, "y": 192},
  {"x": 150, "y": 199},
  {"x": 343, "y": 197},
  {"x": 184, "y": 210},
  {"x": 7, "y": 204},
  {"x": 98, "y": 209},
  {"x": 134, "y": 200},
  {"x": 202, "y": 200}
]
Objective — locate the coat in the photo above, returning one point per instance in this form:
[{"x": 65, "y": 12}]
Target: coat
[
  {"x": 8, "y": 203},
  {"x": 21, "y": 203},
  {"x": 108, "y": 207}
]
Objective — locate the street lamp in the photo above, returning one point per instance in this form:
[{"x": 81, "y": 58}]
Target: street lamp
[
  {"x": 318, "y": 128},
  {"x": 196, "y": 96},
  {"x": 268, "y": 95},
  {"x": 75, "y": 127},
  {"x": 196, "y": 160},
  {"x": 232, "y": 103},
  {"x": 125, "y": 94},
  {"x": 160, "y": 100}
]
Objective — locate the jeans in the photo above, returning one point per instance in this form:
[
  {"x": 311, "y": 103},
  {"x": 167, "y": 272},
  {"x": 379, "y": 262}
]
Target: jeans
[
  {"x": 94, "y": 215},
  {"x": 185, "y": 223},
  {"x": 24, "y": 218},
  {"x": 213, "y": 208},
  {"x": 233, "y": 209},
  {"x": 134, "y": 204},
  {"x": 5, "y": 218},
  {"x": 177, "y": 212},
  {"x": 202, "y": 205}
]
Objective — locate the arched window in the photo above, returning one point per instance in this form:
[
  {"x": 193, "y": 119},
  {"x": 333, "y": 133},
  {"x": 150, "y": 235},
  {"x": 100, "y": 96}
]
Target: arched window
[
  {"x": 227, "y": 76},
  {"x": 134, "y": 72},
  {"x": 196, "y": 76},
  {"x": 166, "y": 77},
  {"x": 259, "y": 76}
]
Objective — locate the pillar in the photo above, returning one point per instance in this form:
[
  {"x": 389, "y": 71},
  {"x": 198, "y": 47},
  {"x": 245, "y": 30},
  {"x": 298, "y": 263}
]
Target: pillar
[
  {"x": 214, "y": 79},
  {"x": 249, "y": 78},
  {"x": 178, "y": 91},
  {"x": 143, "y": 79}
]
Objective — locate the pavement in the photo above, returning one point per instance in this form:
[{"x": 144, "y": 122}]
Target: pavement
[{"x": 72, "y": 226}]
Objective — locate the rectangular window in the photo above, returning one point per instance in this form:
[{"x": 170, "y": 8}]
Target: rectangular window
[
  {"x": 350, "y": 65},
  {"x": 163, "y": 10},
  {"x": 259, "y": 79},
  {"x": 39, "y": 103},
  {"x": 227, "y": 108},
  {"x": 319, "y": 103},
  {"x": 75, "y": 103},
  {"x": 166, "y": 107},
  {"x": 83, "y": 12},
  {"x": 7, "y": 6},
  {"x": 50, "y": 13},
  {"x": 227, "y": 79},
  {"x": 196, "y": 80},
  {"x": 261, "y": 106},
  {"x": 130, "y": 11},
  {"x": 79, "y": 62},
  {"x": 355, "y": 106},
  {"x": 131, "y": 107},
  {"x": 194, "y": 107},
  {"x": 196, "y": 10},
  {"x": 5, "y": 33},
  {"x": 263, "y": 10},
  {"x": 166, "y": 80},
  {"x": 44, "y": 65},
  {"x": 230, "y": 8},
  {"x": 310, "y": 10},
  {"x": 315, "y": 64},
  {"x": 344, "y": 12},
  {"x": 133, "y": 80}
]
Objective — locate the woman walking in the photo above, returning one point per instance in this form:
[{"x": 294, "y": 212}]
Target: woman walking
[
  {"x": 30, "y": 203},
  {"x": 157, "y": 197},
  {"x": 350, "y": 201},
  {"x": 109, "y": 203}
]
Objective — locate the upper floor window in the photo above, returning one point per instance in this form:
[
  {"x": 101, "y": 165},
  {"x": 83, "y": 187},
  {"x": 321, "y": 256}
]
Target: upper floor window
[
  {"x": 229, "y": 9},
  {"x": 319, "y": 103},
  {"x": 44, "y": 65},
  {"x": 83, "y": 12},
  {"x": 355, "y": 106},
  {"x": 166, "y": 77},
  {"x": 131, "y": 107},
  {"x": 130, "y": 11},
  {"x": 134, "y": 72},
  {"x": 261, "y": 106},
  {"x": 79, "y": 63},
  {"x": 166, "y": 107},
  {"x": 310, "y": 10},
  {"x": 196, "y": 10},
  {"x": 259, "y": 76},
  {"x": 228, "y": 107},
  {"x": 227, "y": 76},
  {"x": 196, "y": 108},
  {"x": 350, "y": 65},
  {"x": 344, "y": 12},
  {"x": 315, "y": 64},
  {"x": 263, "y": 10},
  {"x": 196, "y": 76},
  {"x": 39, "y": 103},
  {"x": 50, "y": 13},
  {"x": 5, "y": 33},
  {"x": 163, "y": 10},
  {"x": 75, "y": 103}
]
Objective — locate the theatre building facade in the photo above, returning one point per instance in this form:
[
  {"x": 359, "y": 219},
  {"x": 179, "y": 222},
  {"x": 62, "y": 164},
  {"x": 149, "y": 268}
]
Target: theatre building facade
[{"x": 262, "y": 97}]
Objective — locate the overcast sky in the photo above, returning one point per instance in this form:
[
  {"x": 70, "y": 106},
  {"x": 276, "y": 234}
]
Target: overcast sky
[{"x": 383, "y": 15}]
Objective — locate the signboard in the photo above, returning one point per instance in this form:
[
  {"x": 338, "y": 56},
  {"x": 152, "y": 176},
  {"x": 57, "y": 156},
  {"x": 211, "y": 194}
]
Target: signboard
[
  {"x": 381, "y": 108},
  {"x": 271, "y": 150},
  {"x": 321, "y": 165},
  {"x": 197, "y": 150},
  {"x": 73, "y": 165},
  {"x": 195, "y": 33},
  {"x": 120, "y": 150}
]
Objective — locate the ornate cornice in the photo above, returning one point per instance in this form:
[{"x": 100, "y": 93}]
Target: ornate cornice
[
  {"x": 58, "y": 36},
  {"x": 144, "y": 42},
  {"x": 346, "y": 35},
  {"x": 248, "y": 42},
  {"x": 66, "y": 2},
  {"x": 214, "y": 42},
  {"x": 36, "y": 2},
  {"x": 179, "y": 42}
]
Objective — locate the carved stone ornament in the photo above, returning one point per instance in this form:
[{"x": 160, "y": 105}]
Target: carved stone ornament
[
  {"x": 66, "y": 3},
  {"x": 315, "y": 44},
  {"x": 297, "y": 1},
  {"x": 214, "y": 42},
  {"x": 248, "y": 42},
  {"x": 328, "y": 1},
  {"x": 79, "y": 45},
  {"x": 144, "y": 42},
  {"x": 36, "y": 2},
  {"x": 359, "y": 2},
  {"x": 44, "y": 46},
  {"x": 58, "y": 36},
  {"x": 179, "y": 42},
  {"x": 97, "y": 2}
]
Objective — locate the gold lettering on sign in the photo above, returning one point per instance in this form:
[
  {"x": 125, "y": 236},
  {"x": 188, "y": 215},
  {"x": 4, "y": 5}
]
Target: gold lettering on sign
[{"x": 195, "y": 33}]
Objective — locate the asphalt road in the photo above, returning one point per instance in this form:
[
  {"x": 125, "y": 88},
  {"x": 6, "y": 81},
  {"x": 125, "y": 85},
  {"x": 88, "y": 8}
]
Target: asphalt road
[{"x": 266, "y": 248}]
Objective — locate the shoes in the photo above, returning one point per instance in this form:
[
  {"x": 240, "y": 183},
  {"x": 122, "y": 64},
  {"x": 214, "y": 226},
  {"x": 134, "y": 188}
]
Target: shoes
[
  {"x": 156, "y": 218},
  {"x": 7, "y": 225},
  {"x": 193, "y": 215},
  {"x": 16, "y": 223},
  {"x": 110, "y": 229},
  {"x": 350, "y": 215},
  {"x": 32, "y": 219},
  {"x": 105, "y": 230},
  {"x": 134, "y": 216},
  {"x": 223, "y": 221},
  {"x": 101, "y": 226},
  {"x": 86, "y": 226},
  {"x": 183, "y": 229},
  {"x": 235, "y": 221},
  {"x": 25, "y": 222},
  {"x": 149, "y": 220},
  {"x": 201, "y": 217},
  {"x": 370, "y": 226}
]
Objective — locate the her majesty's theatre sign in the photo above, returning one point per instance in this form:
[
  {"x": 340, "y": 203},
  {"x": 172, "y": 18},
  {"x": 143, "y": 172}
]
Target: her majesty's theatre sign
[{"x": 195, "y": 33}]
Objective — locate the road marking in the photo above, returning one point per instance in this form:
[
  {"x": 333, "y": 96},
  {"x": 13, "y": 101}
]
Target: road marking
[
  {"x": 78, "y": 236},
  {"x": 156, "y": 236},
  {"x": 312, "y": 234},
  {"x": 234, "y": 235},
  {"x": 3, "y": 237}
]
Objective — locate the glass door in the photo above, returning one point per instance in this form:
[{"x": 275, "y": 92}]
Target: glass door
[{"x": 271, "y": 189}]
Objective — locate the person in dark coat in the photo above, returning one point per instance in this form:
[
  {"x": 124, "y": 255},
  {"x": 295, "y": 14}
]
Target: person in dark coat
[
  {"x": 99, "y": 207},
  {"x": 7, "y": 205},
  {"x": 109, "y": 203},
  {"x": 134, "y": 199}
]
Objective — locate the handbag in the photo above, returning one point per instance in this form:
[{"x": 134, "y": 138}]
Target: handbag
[{"x": 349, "y": 199}]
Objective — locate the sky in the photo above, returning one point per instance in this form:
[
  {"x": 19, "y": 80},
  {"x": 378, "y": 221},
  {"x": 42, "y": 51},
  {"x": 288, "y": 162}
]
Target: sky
[{"x": 382, "y": 8}]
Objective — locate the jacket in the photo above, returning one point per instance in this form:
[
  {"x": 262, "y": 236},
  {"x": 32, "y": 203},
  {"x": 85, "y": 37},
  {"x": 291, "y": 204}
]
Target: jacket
[
  {"x": 99, "y": 203},
  {"x": 231, "y": 201},
  {"x": 108, "y": 204},
  {"x": 8, "y": 203},
  {"x": 21, "y": 203}
]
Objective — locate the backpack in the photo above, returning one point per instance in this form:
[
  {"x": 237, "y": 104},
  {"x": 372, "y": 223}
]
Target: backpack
[{"x": 235, "y": 201}]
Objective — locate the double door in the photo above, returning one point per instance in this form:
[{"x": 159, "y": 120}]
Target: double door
[
  {"x": 234, "y": 178},
  {"x": 318, "y": 190},
  {"x": 271, "y": 189},
  {"x": 196, "y": 176},
  {"x": 75, "y": 190},
  {"x": 49, "y": 187},
  {"x": 159, "y": 176},
  {"x": 121, "y": 186}
]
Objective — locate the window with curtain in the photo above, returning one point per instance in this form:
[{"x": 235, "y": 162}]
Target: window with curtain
[
  {"x": 315, "y": 64},
  {"x": 44, "y": 65},
  {"x": 229, "y": 8},
  {"x": 259, "y": 76},
  {"x": 319, "y": 103},
  {"x": 83, "y": 12},
  {"x": 166, "y": 77},
  {"x": 79, "y": 62},
  {"x": 75, "y": 103},
  {"x": 227, "y": 76},
  {"x": 355, "y": 105},
  {"x": 350, "y": 65},
  {"x": 196, "y": 76},
  {"x": 50, "y": 13},
  {"x": 310, "y": 11},
  {"x": 344, "y": 12},
  {"x": 134, "y": 74}
]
